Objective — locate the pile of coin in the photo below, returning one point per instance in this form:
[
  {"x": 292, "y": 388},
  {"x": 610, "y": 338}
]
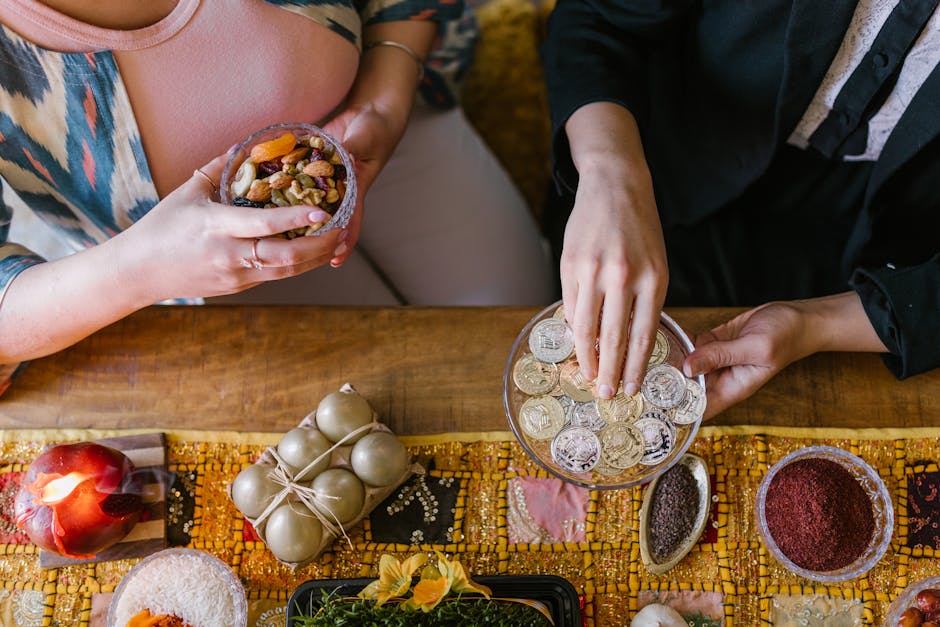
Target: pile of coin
[{"x": 586, "y": 433}]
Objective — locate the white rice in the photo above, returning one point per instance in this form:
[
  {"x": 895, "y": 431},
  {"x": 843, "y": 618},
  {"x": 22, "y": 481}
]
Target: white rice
[{"x": 195, "y": 590}]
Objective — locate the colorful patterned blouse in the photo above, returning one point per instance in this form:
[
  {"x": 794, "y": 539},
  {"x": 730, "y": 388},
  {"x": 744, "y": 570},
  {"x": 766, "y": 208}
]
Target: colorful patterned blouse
[{"x": 75, "y": 130}]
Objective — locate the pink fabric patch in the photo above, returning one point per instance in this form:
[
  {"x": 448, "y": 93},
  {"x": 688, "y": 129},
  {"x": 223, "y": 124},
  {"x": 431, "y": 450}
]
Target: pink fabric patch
[
  {"x": 545, "y": 511},
  {"x": 685, "y": 602}
]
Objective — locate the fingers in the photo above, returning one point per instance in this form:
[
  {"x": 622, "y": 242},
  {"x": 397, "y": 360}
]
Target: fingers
[
  {"x": 642, "y": 338},
  {"x": 613, "y": 341},
  {"x": 250, "y": 222},
  {"x": 288, "y": 255},
  {"x": 348, "y": 238},
  {"x": 584, "y": 327},
  {"x": 205, "y": 180},
  {"x": 741, "y": 351}
]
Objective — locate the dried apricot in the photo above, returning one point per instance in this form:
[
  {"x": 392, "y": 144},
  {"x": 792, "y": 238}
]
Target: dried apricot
[{"x": 274, "y": 148}]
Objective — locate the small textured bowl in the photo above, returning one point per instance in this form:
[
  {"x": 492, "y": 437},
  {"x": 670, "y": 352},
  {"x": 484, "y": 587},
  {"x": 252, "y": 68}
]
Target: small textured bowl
[
  {"x": 135, "y": 581},
  {"x": 874, "y": 487},
  {"x": 539, "y": 450},
  {"x": 241, "y": 151},
  {"x": 907, "y": 599}
]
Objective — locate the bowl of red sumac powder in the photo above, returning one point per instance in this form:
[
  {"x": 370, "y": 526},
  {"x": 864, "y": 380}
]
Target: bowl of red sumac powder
[{"x": 824, "y": 514}]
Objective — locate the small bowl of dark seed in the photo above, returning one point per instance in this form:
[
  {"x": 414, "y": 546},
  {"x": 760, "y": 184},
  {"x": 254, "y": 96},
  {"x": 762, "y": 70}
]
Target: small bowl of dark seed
[
  {"x": 674, "y": 514},
  {"x": 292, "y": 164}
]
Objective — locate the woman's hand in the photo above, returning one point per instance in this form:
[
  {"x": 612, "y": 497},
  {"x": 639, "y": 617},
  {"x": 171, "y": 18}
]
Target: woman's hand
[
  {"x": 741, "y": 355},
  {"x": 613, "y": 266},
  {"x": 370, "y": 136},
  {"x": 189, "y": 245}
]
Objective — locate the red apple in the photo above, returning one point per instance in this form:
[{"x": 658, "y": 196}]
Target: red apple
[{"x": 79, "y": 499}]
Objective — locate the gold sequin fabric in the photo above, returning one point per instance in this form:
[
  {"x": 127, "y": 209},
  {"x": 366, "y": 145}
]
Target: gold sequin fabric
[{"x": 464, "y": 505}]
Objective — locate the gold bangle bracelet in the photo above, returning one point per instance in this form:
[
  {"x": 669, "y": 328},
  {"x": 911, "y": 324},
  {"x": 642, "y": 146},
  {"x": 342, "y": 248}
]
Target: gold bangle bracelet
[{"x": 406, "y": 49}]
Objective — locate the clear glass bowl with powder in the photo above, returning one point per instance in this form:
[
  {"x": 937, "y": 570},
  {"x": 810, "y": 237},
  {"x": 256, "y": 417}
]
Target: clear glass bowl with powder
[
  {"x": 193, "y": 585},
  {"x": 874, "y": 488}
]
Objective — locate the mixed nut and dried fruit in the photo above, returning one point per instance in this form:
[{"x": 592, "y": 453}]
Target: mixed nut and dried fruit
[
  {"x": 291, "y": 170},
  {"x": 926, "y": 612}
]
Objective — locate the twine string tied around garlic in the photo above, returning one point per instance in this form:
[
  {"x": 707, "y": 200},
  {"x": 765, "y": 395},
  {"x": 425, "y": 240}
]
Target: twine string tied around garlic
[{"x": 305, "y": 494}]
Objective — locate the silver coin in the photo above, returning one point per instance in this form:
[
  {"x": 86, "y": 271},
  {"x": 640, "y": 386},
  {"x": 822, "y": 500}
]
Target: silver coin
[
  {"x": 659, "y": 437},
  {"x": 660, "y": 350},
  {"x": 620, "y": 407},
  {"x": 551, "y": 340},
  {"x": 692, "y": 407},
  {"x": 534, "y": 377},
  {"x": 573, "y": 383},
  {"x": 566, "y": 403},
  {"x": 664, "y": 386},
  {"x": 586, "y": 415},
  {"x": 541, "y": 417},
  {"x": 576, "y": 449},
  {"x": 622, "y": 445}
]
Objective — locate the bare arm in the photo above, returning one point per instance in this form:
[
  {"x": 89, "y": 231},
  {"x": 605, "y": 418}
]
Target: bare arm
[
  {"x": 378, "y": 107},
  {"x": 740, "y": 356},
  {"x": 614, "y": 258},
  {"x": 186, "y": 246}
]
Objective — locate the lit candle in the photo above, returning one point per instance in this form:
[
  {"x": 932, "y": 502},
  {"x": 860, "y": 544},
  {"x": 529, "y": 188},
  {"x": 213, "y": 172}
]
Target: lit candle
[{"x": 78, "y": 499}]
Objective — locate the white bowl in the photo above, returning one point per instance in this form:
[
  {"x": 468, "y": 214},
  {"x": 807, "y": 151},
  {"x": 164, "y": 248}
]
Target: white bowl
[{"x": 191, "y": 581}]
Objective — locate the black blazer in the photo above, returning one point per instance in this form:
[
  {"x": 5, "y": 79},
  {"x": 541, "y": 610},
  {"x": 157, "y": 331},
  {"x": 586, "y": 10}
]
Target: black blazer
[{"x": 717, "y": 86}]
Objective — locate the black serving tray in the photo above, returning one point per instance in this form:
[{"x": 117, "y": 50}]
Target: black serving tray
[{"x": 556, "y": 593}]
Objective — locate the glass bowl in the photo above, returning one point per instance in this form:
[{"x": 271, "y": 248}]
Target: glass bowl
[
  {"x": 590, "y": 415},
  {"x": 242, "y": 150},
  {"x": 175, "y": 581},
  {"x": 874, "y": 487},
  {"x": 907, "y": 599}
]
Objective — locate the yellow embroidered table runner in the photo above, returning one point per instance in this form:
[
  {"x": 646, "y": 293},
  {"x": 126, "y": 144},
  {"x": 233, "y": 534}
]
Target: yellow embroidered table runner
[{"x": 485, "y": 500}]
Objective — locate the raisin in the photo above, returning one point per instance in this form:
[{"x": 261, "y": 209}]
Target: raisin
[
  {"x": 269, "y": 167},
  {"x": 316, "y": 155},
  {"x": 339, "y": 172},
  {"x": 321, "y": 183},
  {"x": 241, "y": 201}
]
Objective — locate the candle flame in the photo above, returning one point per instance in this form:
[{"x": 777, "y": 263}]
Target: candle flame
[{"x": 57, "y": 490}]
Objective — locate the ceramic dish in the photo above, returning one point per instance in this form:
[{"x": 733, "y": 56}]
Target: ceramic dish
[
  {"x": 874, "y": 487},
  {"x": 590, "y": 437},
  {"x": 699, "y": 470},
  {"x": 193, "y": 585},
  {"x": 907, "y": 599}
]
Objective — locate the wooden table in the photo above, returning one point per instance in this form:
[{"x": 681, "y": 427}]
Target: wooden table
[{"x": 425, "y": 370}]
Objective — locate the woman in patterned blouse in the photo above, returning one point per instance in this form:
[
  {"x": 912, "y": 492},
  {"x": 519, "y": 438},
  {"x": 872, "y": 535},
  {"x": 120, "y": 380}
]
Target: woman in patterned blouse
[{"x": 107, "y": 107}]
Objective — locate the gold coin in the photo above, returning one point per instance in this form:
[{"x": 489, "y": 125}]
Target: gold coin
[
  {"x": 541, "y": 417},
  {"x": 622, "y": 445},
  {"x": 533, "y": 376},
  {"x": 573, "y": 383},
  {"x": 560, "y": 312},
  {"x": 621, "y": 408},
  {"x": 660, "y": 350}
]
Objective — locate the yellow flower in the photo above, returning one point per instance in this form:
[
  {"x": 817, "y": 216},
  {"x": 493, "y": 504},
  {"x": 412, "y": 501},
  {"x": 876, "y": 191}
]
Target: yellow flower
[
  {"x": 394, "y": 578},
  {"x": 427, "y": 593},
  {"x": 459, "y": 581}
]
